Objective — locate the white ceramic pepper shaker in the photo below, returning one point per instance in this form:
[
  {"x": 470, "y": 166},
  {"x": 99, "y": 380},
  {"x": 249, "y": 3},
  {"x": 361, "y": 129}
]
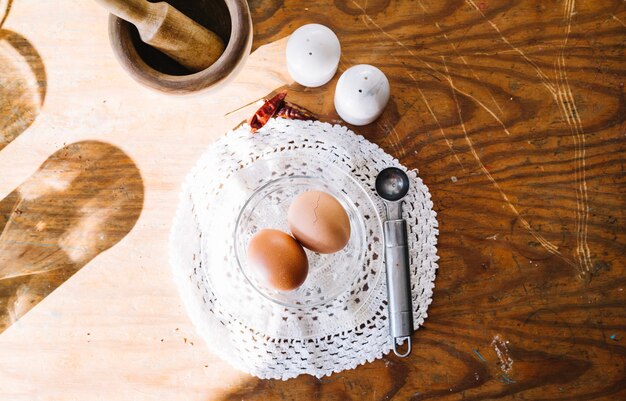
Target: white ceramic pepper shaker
[
  {"x": 361, "y": 94},
  {"x": 313, "y": 53}
]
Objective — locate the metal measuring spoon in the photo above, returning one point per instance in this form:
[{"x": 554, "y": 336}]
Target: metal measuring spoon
[{"x": 392, "y": 184}]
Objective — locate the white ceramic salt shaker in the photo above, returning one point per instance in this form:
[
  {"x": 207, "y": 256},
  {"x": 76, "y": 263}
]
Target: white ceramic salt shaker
[
  {"x": 313, "y": 52},
  {"x": 361, "y": 94}
]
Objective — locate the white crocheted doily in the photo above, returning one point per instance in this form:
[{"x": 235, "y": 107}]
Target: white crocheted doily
[{"x": 252, "y": 333}]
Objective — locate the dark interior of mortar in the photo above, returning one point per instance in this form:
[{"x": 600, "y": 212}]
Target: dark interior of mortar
[{"x": 212, "y": 14}]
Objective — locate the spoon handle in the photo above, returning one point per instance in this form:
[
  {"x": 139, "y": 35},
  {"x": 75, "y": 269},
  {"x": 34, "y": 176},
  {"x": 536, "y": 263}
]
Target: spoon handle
[{"x": 398, "y": 280}]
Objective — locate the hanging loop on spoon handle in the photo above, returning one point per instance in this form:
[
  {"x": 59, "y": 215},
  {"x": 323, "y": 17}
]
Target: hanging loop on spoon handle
[
  {"x": 398, "y": 279},
  {"x": 408, "y": 347}
]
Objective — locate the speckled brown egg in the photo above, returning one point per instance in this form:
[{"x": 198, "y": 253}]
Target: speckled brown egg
[
  {"x": 319, "y": 222},
  {"x": 278, "y": 259}
]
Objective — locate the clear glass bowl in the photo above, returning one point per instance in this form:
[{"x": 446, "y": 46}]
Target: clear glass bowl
[{"x": 329, "y": 274}]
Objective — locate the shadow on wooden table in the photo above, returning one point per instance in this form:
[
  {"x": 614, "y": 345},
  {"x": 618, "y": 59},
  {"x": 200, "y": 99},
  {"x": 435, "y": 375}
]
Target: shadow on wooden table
[
  {"x": 22, "y": 82},
  {"x": 513, "y": 166},
  {"x": 379, "y": 380},
  {"x": 82, "y": 200}
]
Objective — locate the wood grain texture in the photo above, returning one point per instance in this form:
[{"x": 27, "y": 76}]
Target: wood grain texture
[{"x": 513, "y": 112}]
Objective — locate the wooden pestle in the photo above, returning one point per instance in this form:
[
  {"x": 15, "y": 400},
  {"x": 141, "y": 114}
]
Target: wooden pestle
[{"x": 172, "y": 32}]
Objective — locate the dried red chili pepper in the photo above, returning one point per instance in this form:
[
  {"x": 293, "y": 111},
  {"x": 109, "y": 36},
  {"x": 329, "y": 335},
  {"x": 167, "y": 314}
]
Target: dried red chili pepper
[
  {"x": 269, "y": 108},
  {"x": 292, "y": 111},
  {"x": 277, "y": 106}
]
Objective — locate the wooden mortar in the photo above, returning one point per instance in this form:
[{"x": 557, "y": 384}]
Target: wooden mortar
[{"x": 230, "y": 19}]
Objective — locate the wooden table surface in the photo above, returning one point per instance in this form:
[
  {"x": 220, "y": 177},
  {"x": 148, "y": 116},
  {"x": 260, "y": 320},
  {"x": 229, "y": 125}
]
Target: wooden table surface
[{"x": 513, "y": 112}]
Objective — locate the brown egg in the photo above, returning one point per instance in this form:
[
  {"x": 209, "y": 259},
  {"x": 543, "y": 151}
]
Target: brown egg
[
  {"x": 319, "y": 222},
  {"x": 278, "y": 259}
]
